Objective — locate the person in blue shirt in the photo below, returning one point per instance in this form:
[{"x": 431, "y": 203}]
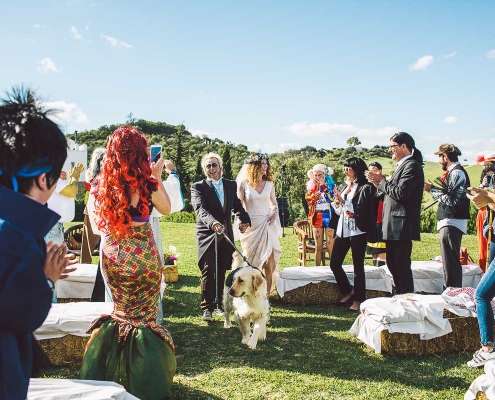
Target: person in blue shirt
[{"x": 33, "y": 150}]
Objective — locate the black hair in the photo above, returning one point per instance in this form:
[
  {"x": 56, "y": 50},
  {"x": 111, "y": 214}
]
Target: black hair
[
  {"x": 375, "y": 164},
  {"x": 454, "y": 155},
  {"x": 358, "y": 166},
  {"x": 488, "y": 168},
  {"x": 30, "y": 142},
  {"x": 406, "y": 138}
]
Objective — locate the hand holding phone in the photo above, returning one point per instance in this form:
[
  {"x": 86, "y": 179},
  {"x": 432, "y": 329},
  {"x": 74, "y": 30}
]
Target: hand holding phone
[{"x": 155, "y": 152}]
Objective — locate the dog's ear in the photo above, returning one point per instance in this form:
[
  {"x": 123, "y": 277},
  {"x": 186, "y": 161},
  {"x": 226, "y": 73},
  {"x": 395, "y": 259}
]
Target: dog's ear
[{"x": 257, "y": 281}]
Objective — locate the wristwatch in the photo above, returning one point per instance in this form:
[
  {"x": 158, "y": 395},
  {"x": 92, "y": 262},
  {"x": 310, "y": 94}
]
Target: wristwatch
[
  {"x": 173, "y": 171},
  {"x": 50, "y": 284}
]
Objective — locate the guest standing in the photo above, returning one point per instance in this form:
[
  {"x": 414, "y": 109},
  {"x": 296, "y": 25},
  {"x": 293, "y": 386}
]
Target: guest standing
[
  {"x": 214, "y": 200},
  {"x": 321, "y": 216},
  {"x": 256, "y": 191},
  {"x": 484, "y": 294},
  {"x": 377, "y": 249},
  {"x": 401, "y": 207},
  {"x": 33, "y": 150},
  {"x": 356, "y": 205},
  {"x": 453, "y": 211},
  {"x": 128, "y": 346}
]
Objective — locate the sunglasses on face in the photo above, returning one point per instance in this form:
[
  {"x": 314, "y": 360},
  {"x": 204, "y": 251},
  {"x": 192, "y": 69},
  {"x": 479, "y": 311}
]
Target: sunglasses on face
[
  {"x": 347, "y": 169},
  {"x": 212, "y": 165}
]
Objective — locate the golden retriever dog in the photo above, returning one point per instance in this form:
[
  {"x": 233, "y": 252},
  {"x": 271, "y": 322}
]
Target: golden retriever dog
[{"x": 247, "y": 298}]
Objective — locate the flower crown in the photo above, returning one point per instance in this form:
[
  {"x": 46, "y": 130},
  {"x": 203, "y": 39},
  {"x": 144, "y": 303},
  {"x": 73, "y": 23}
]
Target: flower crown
[{"x": 255, "y": 157}]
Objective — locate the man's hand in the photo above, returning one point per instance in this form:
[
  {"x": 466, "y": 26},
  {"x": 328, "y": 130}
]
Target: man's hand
[
  {"x": 243, "y": 227},
  {"x": 427, "y": 186},
  {"x": 480, "y": 198},
  {"x": 374, "y": 177},
  {"x": 218, "y": 227},
  {"x": 57, "y": 260},
  {"x": 169, "y": 166}
]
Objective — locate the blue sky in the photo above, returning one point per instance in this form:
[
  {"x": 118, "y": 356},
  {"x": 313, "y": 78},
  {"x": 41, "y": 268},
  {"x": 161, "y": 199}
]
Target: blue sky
[{"x": 269, "y": 74}]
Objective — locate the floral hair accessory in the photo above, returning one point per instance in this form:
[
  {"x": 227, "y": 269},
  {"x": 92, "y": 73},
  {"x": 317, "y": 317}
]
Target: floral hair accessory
[{"x": 256, "y": 157}]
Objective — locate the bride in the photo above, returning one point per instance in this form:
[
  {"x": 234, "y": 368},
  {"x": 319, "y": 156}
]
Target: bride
[{"x": 256, "y": 190}]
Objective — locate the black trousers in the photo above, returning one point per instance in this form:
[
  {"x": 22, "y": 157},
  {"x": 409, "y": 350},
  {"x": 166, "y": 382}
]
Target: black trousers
[
  {"x": 340, "y": 248},
  {"x": 210, "y": 292},
  {"x": 399, "y": 264},
  {"x": 450, "y": 245}
]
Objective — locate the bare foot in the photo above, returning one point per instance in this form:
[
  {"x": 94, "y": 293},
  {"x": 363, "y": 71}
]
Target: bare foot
[
  {"x": 347, "y": 297},
  {"x": 355, "y": 306}
]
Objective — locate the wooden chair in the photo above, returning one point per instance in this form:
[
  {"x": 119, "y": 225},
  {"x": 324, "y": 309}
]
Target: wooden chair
[
  {"x": 73, "y": 238},
  {"x": 306, "y": 246}
]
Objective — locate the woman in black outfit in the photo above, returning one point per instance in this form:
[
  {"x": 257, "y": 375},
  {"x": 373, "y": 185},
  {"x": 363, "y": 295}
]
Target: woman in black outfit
[{"x": 356, "y": 205}]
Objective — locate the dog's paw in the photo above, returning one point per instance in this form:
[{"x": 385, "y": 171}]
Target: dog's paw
[
  {"x": 252, "y": 344},
  {"x": 227, "y": 324},
  {"x": 262, "y": 336},
  {"x": 245, "y": 340}
]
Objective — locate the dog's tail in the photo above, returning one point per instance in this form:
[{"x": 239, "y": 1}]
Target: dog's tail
[{"x": 237, "y": 260}]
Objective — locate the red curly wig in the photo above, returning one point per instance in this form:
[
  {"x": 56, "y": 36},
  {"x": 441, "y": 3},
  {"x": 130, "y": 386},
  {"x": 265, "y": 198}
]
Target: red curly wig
[{"x": 126, "y": 169}]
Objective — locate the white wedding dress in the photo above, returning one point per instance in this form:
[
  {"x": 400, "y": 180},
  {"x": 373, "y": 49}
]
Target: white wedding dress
[{"x": 261, "y": 238}]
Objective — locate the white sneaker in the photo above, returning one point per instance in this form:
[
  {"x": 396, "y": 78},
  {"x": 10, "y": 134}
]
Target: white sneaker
[{"x": 480, "y": 358}]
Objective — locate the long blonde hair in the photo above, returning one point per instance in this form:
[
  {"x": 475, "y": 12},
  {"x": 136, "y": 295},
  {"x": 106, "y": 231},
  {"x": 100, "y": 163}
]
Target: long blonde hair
[{"x": 254, "y": 172}]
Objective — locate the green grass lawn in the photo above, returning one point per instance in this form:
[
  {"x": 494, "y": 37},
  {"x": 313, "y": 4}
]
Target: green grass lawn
[{"x": 308, "y": 354}]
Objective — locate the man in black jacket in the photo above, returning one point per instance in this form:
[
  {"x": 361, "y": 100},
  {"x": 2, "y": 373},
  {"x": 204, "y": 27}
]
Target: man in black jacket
[
  {"x": 215, "y": 200},
  {"x": 401, "y": 208},
  {"x": 453, "y": 211}
]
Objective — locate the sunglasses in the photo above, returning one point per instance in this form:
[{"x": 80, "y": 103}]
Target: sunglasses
[
  {"x": 212, "y": 165},
  {"x": 347, "y": 169}
]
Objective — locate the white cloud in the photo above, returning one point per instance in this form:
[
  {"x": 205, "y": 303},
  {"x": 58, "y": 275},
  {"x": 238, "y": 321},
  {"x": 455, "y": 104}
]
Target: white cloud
[
  {"x": 87, "y": 28},
  {"x": 115, "y": 42},
  {"x": 38, "y": 26},
  {"x": 200, "y": 133},
  {"x": 67, "y": 112},
  {"x": 422, "y": 63},
  {"x": 288, "y": 146},
  {"x": 75, "y": 33},
  {"x": 450, "y": 119},
  {"x": 46, "y": 65},
  {"x": 490, "y": 54},
  {"x": 450, "y": 55}
]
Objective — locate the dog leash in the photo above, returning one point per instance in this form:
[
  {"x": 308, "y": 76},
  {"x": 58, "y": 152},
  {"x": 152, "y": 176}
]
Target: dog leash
[{"x": 236, "y": 249}]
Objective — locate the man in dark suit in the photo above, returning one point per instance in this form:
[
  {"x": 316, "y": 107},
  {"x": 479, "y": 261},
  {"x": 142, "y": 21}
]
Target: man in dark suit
[
  {"x": 401, "y": 208},
  {"x": 214, "y": 200}
]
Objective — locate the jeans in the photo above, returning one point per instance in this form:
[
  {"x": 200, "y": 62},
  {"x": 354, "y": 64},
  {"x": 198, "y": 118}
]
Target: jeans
[{"x": 485, "y": 292}]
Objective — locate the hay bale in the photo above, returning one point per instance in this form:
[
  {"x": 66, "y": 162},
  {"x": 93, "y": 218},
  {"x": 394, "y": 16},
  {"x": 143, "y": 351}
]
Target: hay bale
[
  {"x": 321, "y": 293},
  {"x": 464, "y": 335},
  {"x": 71, "y": 300},
  {"x": 67, "y": 350}
]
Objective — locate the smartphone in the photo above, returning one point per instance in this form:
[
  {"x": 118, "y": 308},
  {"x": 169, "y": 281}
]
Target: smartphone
[{"x": 155, "y": 152}]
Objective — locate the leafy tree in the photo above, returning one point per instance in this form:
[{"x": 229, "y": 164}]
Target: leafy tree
[
  {"x": 353, "y": 141},
  {"x": 227, "y": 163}
]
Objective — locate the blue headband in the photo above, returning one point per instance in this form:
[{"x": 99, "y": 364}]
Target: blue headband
[{"x": 28, "y": 171}]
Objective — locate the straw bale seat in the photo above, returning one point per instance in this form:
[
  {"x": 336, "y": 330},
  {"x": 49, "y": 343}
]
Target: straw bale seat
[
  {"x": 317, "y": 285},
  {"x": 41, "y": 389},
  {"x": 416, "y": 324},
  {"x": 63, "y": 335},
  {"x": 78, "y": 286},
  {"x": 428, "y": 276}
]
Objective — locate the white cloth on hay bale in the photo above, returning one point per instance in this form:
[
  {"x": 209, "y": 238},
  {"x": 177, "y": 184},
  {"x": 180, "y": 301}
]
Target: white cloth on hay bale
[
  {"x": 71, "y": 319},
  {"x": 484, "y": 383},
  {"x": 428, "y": 276},
  {"x": 66, "y": 389},
  {"x": 79, "y": 284},
  {"x": 410, "y": 313},
  {"x": 291, "y": 278}
]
